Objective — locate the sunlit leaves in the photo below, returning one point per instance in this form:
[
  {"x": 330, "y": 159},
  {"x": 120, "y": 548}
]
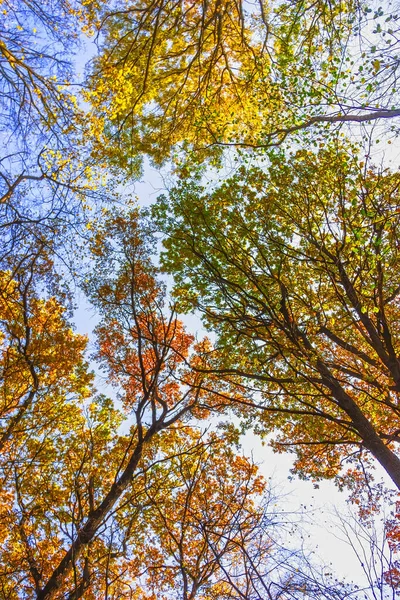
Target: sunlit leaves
[
  {"x": 296, "y": 269},
  {"x": 184, "y": 80}
]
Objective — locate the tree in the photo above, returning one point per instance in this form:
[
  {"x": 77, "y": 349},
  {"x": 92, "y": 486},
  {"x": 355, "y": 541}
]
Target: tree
[
  {"x": 199, "y": 76},
  {"x": 213, "y": 530},
  {"x": 56, "y": 543},
  {"x": 295, "y": 269},
  {"x": 94, "y": 495},
  {"x": 44, "y": 379},
  {"x": 103, "y": 498},
  {"x": 45, "y": 169},
  {"x": 143, "y": 351},
  {"x": 42, "y": 360}
]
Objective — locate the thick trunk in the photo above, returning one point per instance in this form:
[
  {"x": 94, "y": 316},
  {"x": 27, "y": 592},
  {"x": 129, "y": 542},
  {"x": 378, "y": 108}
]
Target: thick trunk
[
  {"x": 88, "y": 531},
  {"x": 370, "y": 438}
]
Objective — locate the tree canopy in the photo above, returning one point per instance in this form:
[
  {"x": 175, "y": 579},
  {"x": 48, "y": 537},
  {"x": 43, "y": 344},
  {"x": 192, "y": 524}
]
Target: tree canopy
[
  {"x": 131, "y": 500},
  {"x": 121, "y": 469},
  {"x": 200, "y": 76},
  {"x": 295, "y": 268}
]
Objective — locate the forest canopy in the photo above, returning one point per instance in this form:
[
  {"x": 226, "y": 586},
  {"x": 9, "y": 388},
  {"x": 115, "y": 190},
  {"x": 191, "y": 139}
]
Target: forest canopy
[{"x": 121, "y": 466}]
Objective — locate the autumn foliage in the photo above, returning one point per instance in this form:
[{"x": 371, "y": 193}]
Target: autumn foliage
[
  {"x": 122, "y": 498},
  {"x": 296, "y": 270},
  {"x": 121, "y": 470}
]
